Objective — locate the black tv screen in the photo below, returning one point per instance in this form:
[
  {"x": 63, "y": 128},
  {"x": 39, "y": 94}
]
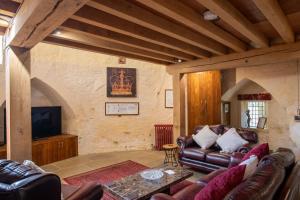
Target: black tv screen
[{"x": 46, "y": 121}]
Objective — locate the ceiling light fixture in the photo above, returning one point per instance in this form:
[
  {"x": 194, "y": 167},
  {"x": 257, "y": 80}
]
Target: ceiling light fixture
[
  {"x": 56, "y": 32},
  {"x": 210, "y": 16}
]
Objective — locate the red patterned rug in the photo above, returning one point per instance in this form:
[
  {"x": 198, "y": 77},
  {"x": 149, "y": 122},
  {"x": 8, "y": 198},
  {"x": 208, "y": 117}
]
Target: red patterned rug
[{"x": 114, "y": 172}]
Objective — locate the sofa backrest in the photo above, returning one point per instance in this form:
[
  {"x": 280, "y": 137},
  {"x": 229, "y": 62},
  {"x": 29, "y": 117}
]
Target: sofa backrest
[
  {"x": 249, "y": 135},
  {"x": 268, "y": 179},
  {"x": 218, "y": 129}
]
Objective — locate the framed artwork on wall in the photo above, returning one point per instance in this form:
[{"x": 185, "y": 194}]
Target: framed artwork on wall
[
  {"x": 121, "y": 82},
  {"x": 122, "y": 108},
  {"x": 261, "y": 122},
  {"x": 169, "y": 98}
]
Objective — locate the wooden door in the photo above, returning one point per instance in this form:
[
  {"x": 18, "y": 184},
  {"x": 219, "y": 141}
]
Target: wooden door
[
  {"x": 204, "y": 99},
  {"x": 71, "y": 146},
  {"x": 39, "y": 153},
  {"x": 53, "y": 153}
]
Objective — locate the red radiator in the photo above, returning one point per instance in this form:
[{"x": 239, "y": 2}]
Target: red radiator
[{"x": 163, "y": 135}]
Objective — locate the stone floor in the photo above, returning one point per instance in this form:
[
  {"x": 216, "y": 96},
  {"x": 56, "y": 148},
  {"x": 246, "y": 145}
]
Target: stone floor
[{"x": 84, "y": 163}]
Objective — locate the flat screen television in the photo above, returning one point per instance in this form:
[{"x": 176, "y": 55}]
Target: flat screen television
[{"x": 46, "y": 121}]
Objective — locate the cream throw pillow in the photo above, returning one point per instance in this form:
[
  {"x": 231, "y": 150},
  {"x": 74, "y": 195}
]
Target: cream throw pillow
[
  {"x": 205, "y": 137},
  {"x": 231, "y": 141},
  {"x": 251, "y": 165}
]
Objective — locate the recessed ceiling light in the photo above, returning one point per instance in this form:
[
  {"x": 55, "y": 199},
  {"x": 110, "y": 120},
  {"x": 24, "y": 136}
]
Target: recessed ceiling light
[{"x": 210, "y": 16}]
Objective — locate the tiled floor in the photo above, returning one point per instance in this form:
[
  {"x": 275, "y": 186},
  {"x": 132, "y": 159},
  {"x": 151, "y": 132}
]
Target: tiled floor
[{"x": 89, "y": 162}]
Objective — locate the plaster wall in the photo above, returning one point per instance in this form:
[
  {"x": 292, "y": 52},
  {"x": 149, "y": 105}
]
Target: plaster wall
[
  {"x": 79, "y": 77},
  {"x": 281, "y": 81}
]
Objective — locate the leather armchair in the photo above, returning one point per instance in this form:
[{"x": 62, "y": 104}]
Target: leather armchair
[{"x": 20, "y": 182}]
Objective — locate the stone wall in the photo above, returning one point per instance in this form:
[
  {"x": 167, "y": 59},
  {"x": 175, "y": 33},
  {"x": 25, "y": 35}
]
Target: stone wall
[
  {"x": 281, "y": 81},
  {"x": 76, "y": 80}
]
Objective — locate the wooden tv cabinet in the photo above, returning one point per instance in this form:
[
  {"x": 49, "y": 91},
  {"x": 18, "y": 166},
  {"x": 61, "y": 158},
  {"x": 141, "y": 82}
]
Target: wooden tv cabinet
[{"x": 51, "y": 149}]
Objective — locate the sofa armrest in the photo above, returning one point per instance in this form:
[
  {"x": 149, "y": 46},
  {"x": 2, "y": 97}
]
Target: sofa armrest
[
  {"x": 235, "y": 159},
  {"x": 88, "y": 191},
  {"x": 205, "y": 179},
  {"x": 37, "y": 187},
  {"x": 161, "y": 196},
  {"x": 184, "y": 142},
  {"x": 244, "y": 149}
]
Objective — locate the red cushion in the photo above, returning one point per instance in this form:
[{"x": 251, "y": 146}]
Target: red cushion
[
  {"x": 260, "y": 151},
  {"x": 222, "y": 184}
]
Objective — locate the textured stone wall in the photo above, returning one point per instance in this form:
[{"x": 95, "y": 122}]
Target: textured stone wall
[
  {"x": 76, "y": 80},
  {"x": 281, "y": 81},
  {"x": 79, "y": 77}
]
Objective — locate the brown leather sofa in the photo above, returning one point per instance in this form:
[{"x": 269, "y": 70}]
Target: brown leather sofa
[
  {"x": 191, "y": 154},
  {"x": 276, "y": 178},
  {"x": 20, "y": 182}
]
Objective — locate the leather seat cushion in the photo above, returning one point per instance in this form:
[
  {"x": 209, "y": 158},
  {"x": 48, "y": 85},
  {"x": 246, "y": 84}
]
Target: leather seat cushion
[
  {"x": 217, "y": 158},
  {"x": 196, "y": 153}
]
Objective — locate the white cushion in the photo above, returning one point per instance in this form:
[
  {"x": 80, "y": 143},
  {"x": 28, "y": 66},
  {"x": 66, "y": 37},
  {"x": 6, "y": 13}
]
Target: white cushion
[
  {"x": 251, "y": 165},
  {"x": 231, "y": 141},
  {"x": 205, "y": 137}
]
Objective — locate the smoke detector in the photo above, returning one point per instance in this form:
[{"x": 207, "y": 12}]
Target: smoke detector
[{"x": 210, "y": 16}]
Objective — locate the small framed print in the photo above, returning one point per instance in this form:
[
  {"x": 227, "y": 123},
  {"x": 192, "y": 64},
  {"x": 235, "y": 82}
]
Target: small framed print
[
  {"x": 169, "y": 98},
  {"x": 121, "y": 108},
  {"x": 261, "y": 122}
]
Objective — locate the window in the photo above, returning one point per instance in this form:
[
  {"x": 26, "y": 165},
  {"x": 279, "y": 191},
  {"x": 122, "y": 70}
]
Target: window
[{"x": 256, "y": 109}]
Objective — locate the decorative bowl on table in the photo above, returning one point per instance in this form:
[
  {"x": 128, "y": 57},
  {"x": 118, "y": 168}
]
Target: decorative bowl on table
[{"x": 152, "y": 174}]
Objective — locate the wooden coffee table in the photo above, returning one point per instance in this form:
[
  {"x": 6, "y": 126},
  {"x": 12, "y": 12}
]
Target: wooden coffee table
[{"x": 135, "y": 187}]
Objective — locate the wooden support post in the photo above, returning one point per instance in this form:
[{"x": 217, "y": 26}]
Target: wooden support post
[
  {"x": 18, "y": 103},
  {"x": 179, "y": 105}
]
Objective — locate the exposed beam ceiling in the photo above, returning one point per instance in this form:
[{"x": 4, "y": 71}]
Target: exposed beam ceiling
[
  {"x": 255, "y": 57},
  {"x": 236, "y": 19},
  {"x": 273, "y": 12},
  {"x": 36, "y": 19},
  {"x": 74, "y": 25},
  {"x": 138, "y": 15},
  {"x": 181, "y": 13},
  {"x": 76, "y": 45},
  {"x": 156, "y": 30},
  {"x": 89, "y": 39},
  {"x": 110, "y": 22},
  {"x": 8, "y": 7}
]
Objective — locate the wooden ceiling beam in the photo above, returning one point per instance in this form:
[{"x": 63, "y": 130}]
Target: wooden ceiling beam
[
  {"x": 110, "y": 22},
  {"x": 8, "y": 7},
  {"x": 141, "y": 16},
  {"x": 255, "y": 57},
  {"x": 74, "y": 25},
  {"x": 182, "y": 13},
  {"x": 76, "y": 45},
  {"x": 89, "y": 39},
  {"x": 273, "y": 12},
  {"x": 232, "y": 16},
  {"x": 36, "y": 19}
]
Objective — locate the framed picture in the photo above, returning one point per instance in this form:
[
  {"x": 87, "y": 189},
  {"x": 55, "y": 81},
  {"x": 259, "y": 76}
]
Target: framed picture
[
  {"x": 122, "y": 108},
  {"x": 261, "y": 122},
  {"x": 121, "y": 82},
  {"x": 169, "y": 98}
]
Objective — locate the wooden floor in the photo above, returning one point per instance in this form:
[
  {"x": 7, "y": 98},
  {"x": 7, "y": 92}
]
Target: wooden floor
[{"x": 89, "y": 162}]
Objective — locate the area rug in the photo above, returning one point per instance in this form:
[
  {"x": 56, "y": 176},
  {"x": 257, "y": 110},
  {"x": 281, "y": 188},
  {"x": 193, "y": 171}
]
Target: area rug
[{"x": 114, "y": 172}]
